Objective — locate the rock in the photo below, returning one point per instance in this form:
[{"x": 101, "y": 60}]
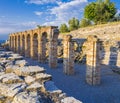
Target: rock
[
  {"x": 11, "y": 68},
  {"x": 43, "y": 76},
  {"x": 50, "y": 87},
  {"x": 9, "y": 63},
  {"x": 29, "y": 79},
  {"x": 2, "y": 68},
  {"x": 25, "y": 97},
  {"x": 3, "y": 63},
  {"x": 70, "y": 100},
  {"x": 34, "y": 87},
  {"x": 29, "y": 70},
  {"x": 21, "y": 63},
  {"x": 10, "y": 78},
  {"x": 10, "y": 90}
]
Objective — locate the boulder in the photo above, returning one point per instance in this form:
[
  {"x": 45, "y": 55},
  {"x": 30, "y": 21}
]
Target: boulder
[
  {"x": 21, "y": 63},
  {"x": 10, "y": 90},
  {"x": 43, "y": 76},
  {"x": 11, "y": 68},
  {"x": 29, "y": 70},
  {"x": 25, "y": 97},
  {"x": 10, "y": 78},
  {"x": 29, "y": 79},
  {"x": 34, "y": 86}
]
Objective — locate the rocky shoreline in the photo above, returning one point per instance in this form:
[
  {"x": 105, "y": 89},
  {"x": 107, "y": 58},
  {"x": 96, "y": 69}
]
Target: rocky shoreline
[{"x": 24, "y": 83}]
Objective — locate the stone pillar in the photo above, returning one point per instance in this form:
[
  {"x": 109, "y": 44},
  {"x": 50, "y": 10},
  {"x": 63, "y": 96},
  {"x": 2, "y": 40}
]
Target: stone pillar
[
  {"x": 118, "y": 59},
  {"x": 17, "y": 43},
  {"x": 26, "y": 47},
  {"x": 68, "y": 55},
  {"x": 9, "y": 42},
  {"x": 21, "y": 43},
  {"x": 14, "y": 44},
  {"x": 42, "y": 47},
  {"x": 53, "y": 48},
  {"x": 92, "y": 61},
  {"x": 31, "y": 45},
  {"x": 26, "y": 52}
]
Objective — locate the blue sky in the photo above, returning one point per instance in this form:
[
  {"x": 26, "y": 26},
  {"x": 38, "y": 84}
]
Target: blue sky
[{"x": 19, "y": 15}]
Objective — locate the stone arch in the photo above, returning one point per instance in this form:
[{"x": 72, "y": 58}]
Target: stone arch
[
  {"x": 28, "y": 38},
  {"x": 35, "y": 46},
  {"x": 23, "y": 44}
]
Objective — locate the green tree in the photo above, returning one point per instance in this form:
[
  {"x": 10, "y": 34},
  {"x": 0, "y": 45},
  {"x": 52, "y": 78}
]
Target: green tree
[
  {"x": 100, "y": 11},
  {"x": 63, "y": 28},
  {"x": 73, "y": 24},
  {"x": 85, "y": 22}
]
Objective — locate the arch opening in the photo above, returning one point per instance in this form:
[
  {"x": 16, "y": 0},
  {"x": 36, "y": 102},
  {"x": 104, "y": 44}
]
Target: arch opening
[{"x": 35, "y": 46}]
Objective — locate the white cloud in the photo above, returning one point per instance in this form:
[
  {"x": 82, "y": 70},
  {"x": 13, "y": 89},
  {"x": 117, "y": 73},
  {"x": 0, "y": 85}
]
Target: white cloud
[
  {"x": 8, "y": 27},
  {"x": 41, "y": 1},
  {"x": 38, "y": 13},
  {"x": 65, "y": 11}
]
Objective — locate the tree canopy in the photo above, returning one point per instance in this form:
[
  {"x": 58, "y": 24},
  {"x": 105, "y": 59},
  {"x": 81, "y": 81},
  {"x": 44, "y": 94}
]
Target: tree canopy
[
  {"x": 73, "y": 24},
  {"x": 100, "y": 11},
  {"x": 63, "y": 28}
]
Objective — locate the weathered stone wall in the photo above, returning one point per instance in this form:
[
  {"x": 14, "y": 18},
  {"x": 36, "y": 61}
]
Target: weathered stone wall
[{"x": 104, "y": 32}]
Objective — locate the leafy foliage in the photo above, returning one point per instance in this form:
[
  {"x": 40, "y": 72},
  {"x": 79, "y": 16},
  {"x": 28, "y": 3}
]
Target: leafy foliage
[
  {"x": 63, "y": 28},
  {"x": 73, "y": 24},
  {"x": 100, "y": 11},
  {"x": 85, "y": 22}
]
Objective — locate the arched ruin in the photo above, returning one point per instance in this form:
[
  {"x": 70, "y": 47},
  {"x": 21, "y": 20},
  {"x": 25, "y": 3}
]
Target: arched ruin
[{"x": 32, "y": 43}]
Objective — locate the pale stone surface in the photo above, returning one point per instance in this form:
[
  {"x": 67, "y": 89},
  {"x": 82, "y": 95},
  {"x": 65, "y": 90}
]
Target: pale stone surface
[
  {"x": 70, "y": 100},
  {"x": 11, "y": 90},
  {"x": 43, "y": 76},
  {"x": 29, "y": 70},
  {"x": 11, "y": 68},
  {"x": 10, "y": 78},
  {"x": 34, "y": 86},
  {"x": 24, "y": 97},
  {"x": 21, "y": 63},
  {"x": 2, "y": 68},
  {"x": 29, "y": 79}
]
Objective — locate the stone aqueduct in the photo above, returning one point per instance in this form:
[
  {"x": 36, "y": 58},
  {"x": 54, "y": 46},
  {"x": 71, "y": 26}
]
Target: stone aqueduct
[{"x": 32, "y": 43}]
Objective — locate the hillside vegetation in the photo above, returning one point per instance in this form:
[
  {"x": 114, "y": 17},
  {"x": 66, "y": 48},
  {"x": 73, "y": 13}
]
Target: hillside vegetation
[{"x": 107, "y": 31}]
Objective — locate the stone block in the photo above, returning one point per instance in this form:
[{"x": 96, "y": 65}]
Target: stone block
[{"x": 10, "y": 90}]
